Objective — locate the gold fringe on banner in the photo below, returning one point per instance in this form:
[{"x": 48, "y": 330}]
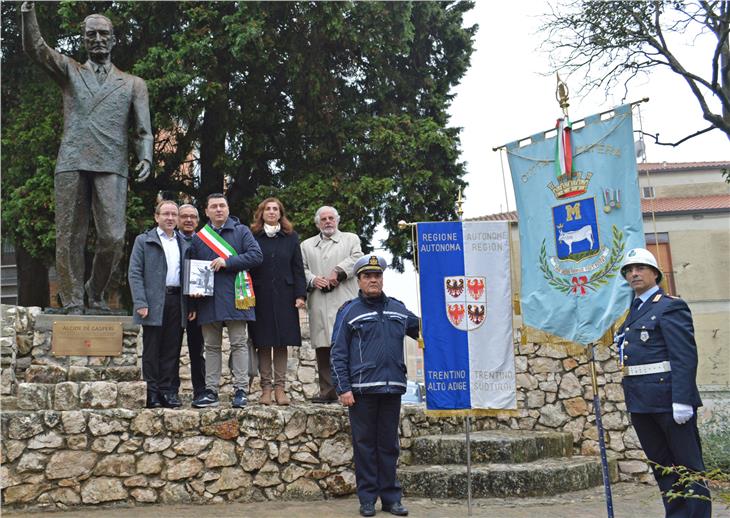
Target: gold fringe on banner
[
  {"x": 531, "y": 335},
  {"x": 473, "y": 412}
]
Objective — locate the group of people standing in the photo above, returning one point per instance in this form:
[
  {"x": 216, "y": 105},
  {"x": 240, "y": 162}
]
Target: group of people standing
[{"x": 262, "y": 278}]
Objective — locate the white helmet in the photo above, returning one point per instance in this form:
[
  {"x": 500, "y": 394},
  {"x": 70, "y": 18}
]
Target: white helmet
[{"x": 640, "y": 256}]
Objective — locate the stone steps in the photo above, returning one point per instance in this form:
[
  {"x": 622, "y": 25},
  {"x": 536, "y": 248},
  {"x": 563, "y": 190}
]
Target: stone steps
[
  {"x": 505, "y": 463},
  {"x": 506, "y": 446},
  {"x": 71, "y": 395},
  {"x": 537, "y": 478}
]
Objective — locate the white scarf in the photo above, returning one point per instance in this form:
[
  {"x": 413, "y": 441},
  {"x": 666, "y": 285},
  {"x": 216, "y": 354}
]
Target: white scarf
[{"x": 271, "y": 230}]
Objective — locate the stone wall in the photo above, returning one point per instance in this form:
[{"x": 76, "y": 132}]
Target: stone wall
[
  {"x": 58, "y": 459},
  {"x": 74, "y": 431},
  {"x": 31, "y": 374}
]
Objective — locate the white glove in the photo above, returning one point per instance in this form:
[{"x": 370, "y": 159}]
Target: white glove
[{"x": 682, "y": 413}]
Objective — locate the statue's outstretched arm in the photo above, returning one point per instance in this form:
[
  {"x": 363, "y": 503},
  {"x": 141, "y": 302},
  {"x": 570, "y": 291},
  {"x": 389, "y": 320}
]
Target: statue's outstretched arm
[{"x": 35, "y": 46}]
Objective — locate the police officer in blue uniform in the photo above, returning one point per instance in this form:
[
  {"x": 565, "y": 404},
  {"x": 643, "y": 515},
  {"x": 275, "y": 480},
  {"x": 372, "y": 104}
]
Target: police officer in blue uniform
[
  {"x": 659, "y": 355},
  {"x": 369, "y": 372}
]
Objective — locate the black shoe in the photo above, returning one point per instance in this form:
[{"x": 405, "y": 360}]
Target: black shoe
[
  {"x": 170, "y": 400},
  {"x": 208, "y": 398},
  {"x": 397, "y": 509},
  {"x": 153, "y": 400},
  {"x": 239, "y": 399},
  {"x": 367, "y": 509},
  {"x": 323, "y": 400}
]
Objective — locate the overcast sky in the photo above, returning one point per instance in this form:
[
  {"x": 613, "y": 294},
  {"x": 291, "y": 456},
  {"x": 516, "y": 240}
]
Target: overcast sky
[{"x": 505, "y": 95}]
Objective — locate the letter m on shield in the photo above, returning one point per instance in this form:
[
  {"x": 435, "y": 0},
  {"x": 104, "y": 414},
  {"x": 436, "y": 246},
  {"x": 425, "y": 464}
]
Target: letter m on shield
[{"x": 576, "y": 229}]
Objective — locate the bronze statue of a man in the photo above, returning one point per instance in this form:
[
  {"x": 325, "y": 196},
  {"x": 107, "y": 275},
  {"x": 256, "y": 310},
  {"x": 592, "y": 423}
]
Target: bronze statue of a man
[{"x": 100, "y": 103}]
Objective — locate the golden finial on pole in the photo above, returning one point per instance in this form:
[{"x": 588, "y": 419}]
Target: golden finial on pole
[
  {"x": 403, "y": 224},
  {"x": 459, "y": 203},
  {"x": 561, "y": 94}
]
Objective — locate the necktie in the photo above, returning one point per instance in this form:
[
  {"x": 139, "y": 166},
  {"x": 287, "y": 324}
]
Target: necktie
[
  {"x": 100, "y": 74},
  {"x": 635, "y": 305}
]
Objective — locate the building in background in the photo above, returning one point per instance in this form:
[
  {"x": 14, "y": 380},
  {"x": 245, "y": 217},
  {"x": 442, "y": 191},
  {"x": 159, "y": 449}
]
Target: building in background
[
  {"x": 686, "y": 212},
  {"x": 686, "y": 208}
]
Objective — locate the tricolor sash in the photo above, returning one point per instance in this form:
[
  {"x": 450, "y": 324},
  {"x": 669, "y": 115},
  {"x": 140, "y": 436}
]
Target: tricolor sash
[{"x": 244, "y": 294}]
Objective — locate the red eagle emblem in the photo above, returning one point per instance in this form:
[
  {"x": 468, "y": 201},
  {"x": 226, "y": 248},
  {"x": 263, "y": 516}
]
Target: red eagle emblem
[
  {"x": 456, "y": 313},
  {"x": 455, "y": 287},
  {"x": 475, "y": 287},
  {"x": 477, "y": 313}
]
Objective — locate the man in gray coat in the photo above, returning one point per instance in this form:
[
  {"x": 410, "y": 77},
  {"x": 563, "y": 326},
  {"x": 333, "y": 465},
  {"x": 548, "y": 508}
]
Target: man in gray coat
[
  {"x": 155, "y": 278},
  {"x": 100, "y": 104}
]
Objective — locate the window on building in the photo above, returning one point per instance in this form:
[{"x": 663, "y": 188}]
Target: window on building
[
  {"x": 647, "y": 192},
  {"x": 8, "y": 274},
  {"x": 658, "y": 244}
]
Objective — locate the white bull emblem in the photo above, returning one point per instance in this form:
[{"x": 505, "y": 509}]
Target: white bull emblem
[{"x": 574, "y": 236}]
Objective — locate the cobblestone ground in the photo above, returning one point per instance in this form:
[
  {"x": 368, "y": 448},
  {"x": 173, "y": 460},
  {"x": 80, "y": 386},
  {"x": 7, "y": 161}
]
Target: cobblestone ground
[{"x": 630, "y": 501}]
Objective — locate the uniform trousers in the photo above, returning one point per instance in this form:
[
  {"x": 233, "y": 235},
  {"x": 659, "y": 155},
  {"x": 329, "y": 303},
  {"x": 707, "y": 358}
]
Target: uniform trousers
[
  {"x": 670, "y": 444},
  {"x": 374, "y": 420},
  {"x": 197, "y": 359},
  {"x": 79, "y": 194},
  {"x": 161, "y": 348}
]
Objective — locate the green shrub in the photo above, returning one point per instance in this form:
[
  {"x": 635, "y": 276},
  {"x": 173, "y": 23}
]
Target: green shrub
[{"x": 716, "y": 450}]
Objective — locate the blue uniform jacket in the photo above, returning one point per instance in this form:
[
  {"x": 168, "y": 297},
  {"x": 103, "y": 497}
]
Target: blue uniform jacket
[
  {"x": 367, "y": 345},
  {"x": 222, "y": 305},
  {"x": 660, "y": 330}
]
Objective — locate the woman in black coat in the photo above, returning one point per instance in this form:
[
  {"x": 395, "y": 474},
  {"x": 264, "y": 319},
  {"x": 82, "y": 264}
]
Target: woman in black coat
[{"x": 280, "y": 289}]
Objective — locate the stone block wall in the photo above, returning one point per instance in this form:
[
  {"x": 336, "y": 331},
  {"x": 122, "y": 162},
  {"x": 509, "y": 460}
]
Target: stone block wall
[
  {"x": 74, "y": 431},
  {"x": 57, "y": 459}
]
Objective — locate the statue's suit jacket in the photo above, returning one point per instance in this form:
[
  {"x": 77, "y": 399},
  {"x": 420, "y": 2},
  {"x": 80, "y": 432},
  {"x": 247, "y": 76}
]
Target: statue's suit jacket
[{"x": 97, "y": 117}]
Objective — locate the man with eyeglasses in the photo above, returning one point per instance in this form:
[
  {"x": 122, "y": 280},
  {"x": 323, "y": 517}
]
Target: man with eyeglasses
[
  {"x": 187, "y": 225},
  {"x": 155, "y": 279}
]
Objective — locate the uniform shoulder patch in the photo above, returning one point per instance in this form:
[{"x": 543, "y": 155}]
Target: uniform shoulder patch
[
  {"x": 657, "y": 297},
  {"x": 672, "y": 297}
]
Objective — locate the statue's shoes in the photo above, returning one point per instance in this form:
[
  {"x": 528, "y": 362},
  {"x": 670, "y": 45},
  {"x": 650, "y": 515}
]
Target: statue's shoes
[{"x": 98, "y": 307}]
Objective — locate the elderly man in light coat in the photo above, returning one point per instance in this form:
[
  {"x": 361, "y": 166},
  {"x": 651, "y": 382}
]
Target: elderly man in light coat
[{"x": 328, "y": 260}]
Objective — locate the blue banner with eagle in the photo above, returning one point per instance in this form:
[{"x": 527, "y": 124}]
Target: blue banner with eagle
[{"x": 576, "y": 223}]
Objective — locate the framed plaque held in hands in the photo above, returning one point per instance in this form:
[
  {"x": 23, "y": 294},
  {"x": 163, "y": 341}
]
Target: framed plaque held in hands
[{"x": 198, "y": 278}]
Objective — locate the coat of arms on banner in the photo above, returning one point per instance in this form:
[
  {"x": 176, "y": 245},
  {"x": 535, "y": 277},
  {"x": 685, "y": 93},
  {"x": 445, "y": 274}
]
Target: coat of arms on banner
[
  {"x": 580, "y": 262},
  {"x": 466, "y": 301}
]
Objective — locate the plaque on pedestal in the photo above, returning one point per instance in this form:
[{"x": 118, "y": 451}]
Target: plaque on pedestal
[{"x": 87, "y": 336}]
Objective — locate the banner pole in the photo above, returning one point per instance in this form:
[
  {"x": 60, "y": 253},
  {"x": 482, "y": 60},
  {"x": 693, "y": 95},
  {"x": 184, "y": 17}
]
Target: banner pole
[
  {"x": 467, "y": 420},
  {"x": 601, "y": 441}
]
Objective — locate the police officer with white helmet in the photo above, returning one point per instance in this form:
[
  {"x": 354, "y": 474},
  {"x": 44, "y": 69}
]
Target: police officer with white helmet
[{"x": 659, "y": 355}]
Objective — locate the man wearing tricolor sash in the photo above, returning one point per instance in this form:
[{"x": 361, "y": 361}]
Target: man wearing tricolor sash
[{"x": 232, "y": 251}]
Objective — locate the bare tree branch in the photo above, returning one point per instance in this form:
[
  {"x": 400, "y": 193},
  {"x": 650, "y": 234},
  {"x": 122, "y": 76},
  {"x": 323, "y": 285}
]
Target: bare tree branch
[
  {"x": 614, "y": 42},
  {"x": 655, "y": 136}
]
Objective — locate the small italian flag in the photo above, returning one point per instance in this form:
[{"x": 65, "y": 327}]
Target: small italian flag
[
  {"x": 564, "y": 148},
  {"x": 245, "y": 297}
]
